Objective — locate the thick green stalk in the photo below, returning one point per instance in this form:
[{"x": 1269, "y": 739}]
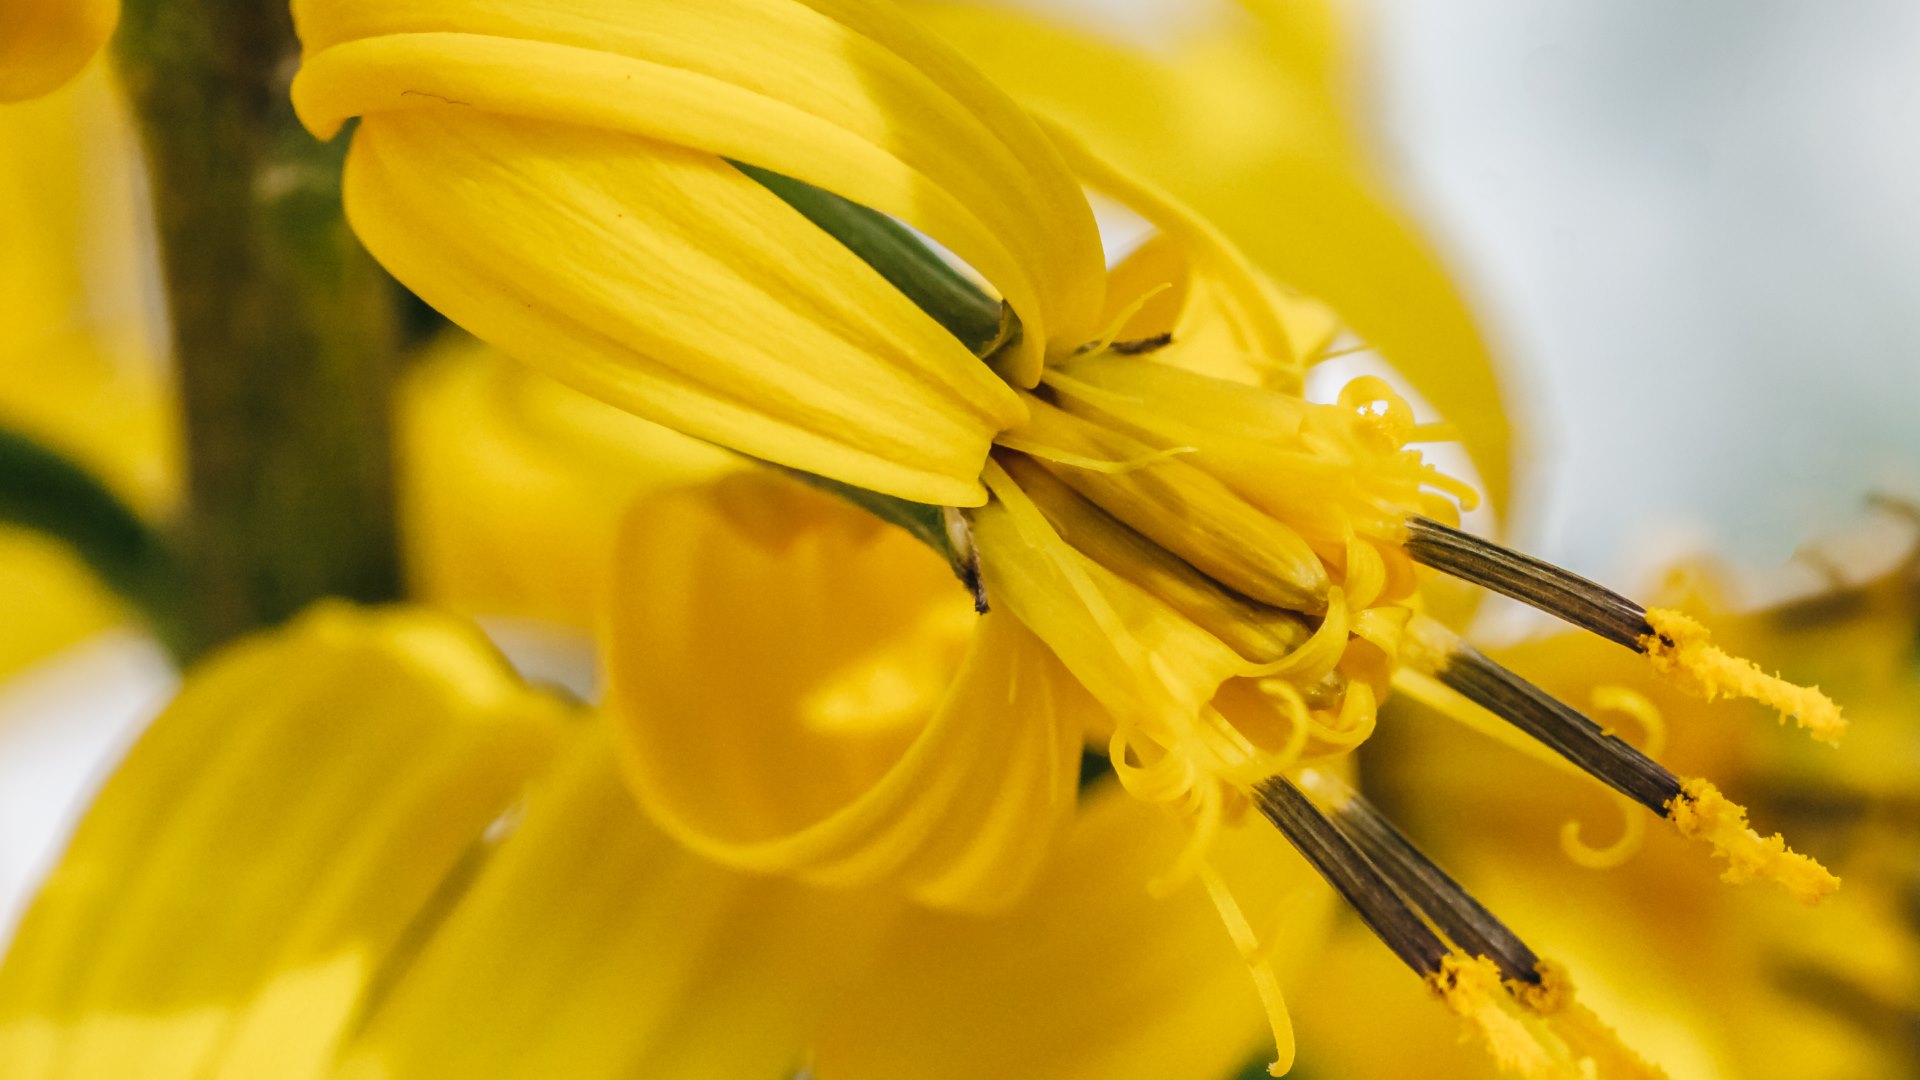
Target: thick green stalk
[{"x": 282, "y": 326}]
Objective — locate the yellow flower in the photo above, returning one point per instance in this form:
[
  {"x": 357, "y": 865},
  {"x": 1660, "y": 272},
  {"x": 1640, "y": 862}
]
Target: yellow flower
[
  {"x": 1188, "y": 562},
  {"x": 360, "y": 847},
  {"x": 623, "y": 254},
  {"x": 45, "y": 43}
]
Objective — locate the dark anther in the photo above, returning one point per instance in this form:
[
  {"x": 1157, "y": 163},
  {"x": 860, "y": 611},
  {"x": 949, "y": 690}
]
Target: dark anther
[
  {"x": 1561, "y": 728},
  {"x": 1352, "y": 874},
  {"x": 1464, "y": 920},
  {"x": 1142, "y": 345},
  {"x": 1560, "y": 593}
]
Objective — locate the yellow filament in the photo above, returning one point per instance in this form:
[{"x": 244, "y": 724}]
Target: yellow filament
[
  {"x": 1258, "y": 962},
  {"x": 1586, "y": 1035},
  {"x": 1470, "y": 988},
  {"x": 1204, "y": 799},
  {"x": 1091, "y": 464},
  {"x": 1317, "y": 655},
  {"x": 1120, "y": 321},
  {"x": 1679, "y": 649},
  {"x": 1633, "y": 832},
  {"x": 1700, "y": 812}
]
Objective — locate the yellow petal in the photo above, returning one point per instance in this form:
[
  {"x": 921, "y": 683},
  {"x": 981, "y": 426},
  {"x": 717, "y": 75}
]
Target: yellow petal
[
  {"x": 44, "y": 43},
  {"x": 1089, "y": 978},
  {"x": 1253, "y": 129},
  {"x": 590, "y": 946},
  {"x": 229, "y": 897},
  {"x": 511, "y": 485},
  {"x": 843, "y": 94},
  {"x": 801, "y": 689},
  {"x": 53, "y": 600},
  {"x": 638, "y": 273},
  {"x": 1139, "y": 658}
]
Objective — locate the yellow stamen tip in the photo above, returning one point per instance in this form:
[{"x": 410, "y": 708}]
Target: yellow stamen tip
[
  {"x": 1679, "y": 648},
  {"x": 1700, "y": 812},
  {"x": 1585, "y": 1034},
  {"x": 1470, "y": 988}
]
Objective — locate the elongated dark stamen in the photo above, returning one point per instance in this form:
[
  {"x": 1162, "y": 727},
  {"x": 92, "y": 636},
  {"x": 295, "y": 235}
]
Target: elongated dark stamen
[
  {"x": 1560, "y": 593},
  {"x": 1560, "y": 727},
  {"x": 1465, "y": 921},
  {"x": 1352, "y": 874}
]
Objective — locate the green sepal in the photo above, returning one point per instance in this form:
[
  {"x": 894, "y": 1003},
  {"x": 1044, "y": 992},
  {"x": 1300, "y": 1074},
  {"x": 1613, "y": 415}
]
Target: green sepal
[
  {"x": 980, "y": 322},
  {"x": 941, "y": 528}
]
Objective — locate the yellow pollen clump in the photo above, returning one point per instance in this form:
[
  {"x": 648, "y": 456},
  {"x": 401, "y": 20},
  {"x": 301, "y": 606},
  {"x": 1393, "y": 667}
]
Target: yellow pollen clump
[
  {"x": 1679, "y": 649},
  {"x": 1585, "y": 1033},
  {"x": 1700, "y": 812},
  {"x": 1470, "y": 988}
]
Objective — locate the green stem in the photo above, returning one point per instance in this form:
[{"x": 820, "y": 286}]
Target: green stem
[{"x": 282, "y": 326}]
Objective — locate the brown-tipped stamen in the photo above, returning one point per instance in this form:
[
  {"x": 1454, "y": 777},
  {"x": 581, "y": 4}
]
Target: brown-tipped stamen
[
  {"x": 1560, "y": 727},
  {"x": 1465, "y": 921},
  {"x": 1542, "y": 585},
  {"x": 1352, "y": 874}
]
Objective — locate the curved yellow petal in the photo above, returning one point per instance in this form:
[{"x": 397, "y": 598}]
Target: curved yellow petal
[
  {"x": 45, "y": 43},
  {"x": 1252, "y": 128},
  {"x": 1090, "y": 978},
  {"x": 638, "y": 272},
  {"x": 511, "y": 485},
  {"x": 848, "y": 96},
  {"x": 230, "y": 896},
  {"x": 591, "y": 946},
  {"x": 799, "y": 688}
]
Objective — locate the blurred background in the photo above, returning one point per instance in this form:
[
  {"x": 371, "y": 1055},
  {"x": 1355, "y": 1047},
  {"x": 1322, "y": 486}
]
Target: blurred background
[{"x": 1692, "y": 233}]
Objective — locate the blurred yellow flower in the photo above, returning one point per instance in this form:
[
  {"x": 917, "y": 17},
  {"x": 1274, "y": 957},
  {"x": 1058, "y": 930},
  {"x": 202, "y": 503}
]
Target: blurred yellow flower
[
  {"x": 511, "y": 485},
  {"x": 360, "y": 847},
  {"x": 45, "y": 43},
  {"x": 78, "y": 345}
]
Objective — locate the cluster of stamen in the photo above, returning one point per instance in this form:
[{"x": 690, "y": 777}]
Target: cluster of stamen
[
  {"x": 1284, "y": 534},
  {"x": 1523, "y": 1008}
]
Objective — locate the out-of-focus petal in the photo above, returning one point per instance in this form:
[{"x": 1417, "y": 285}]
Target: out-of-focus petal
[
  {"x": 1090, "y": 978},
  {"x": 511, "y": 485},
  {"x": 591, "y": 946},
  {"x": 799, "y": 688},
  {"x": 238, "y": 883},
  {"x": 44, "y": 43}
]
